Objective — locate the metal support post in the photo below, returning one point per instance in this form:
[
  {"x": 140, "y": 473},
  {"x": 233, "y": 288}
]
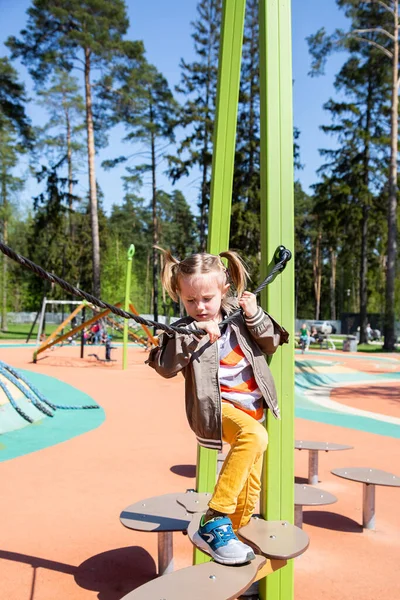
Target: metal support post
[
  {"x": 298, "y": 515},
  {"x": 368, "y": 506},
  {"x": 131, "y": 252},
  {"x": 165, "y": 552},
  {"x": 313, "y": 467}
]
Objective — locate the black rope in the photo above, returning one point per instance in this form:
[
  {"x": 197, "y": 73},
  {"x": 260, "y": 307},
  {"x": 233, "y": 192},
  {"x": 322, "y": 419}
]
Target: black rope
[
  {"x": 281, "y": 257},
  {"x": 37, "y": 393}
]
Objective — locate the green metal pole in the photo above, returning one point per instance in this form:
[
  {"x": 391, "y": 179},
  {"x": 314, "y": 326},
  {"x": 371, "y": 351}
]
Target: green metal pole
[
  {"x": 131, "y": 252},
  {"x": 230, "y": 56},
  {"x": 277, "y": 227}
]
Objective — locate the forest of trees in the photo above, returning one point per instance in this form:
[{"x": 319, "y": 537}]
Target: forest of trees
[{"x": 90, "y": 79}]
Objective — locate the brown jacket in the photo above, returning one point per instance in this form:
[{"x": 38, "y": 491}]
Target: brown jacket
[{"x": 198, "y": 360}]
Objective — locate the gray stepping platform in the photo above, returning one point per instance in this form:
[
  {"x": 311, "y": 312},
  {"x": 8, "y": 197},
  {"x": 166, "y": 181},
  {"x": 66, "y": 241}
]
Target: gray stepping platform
[
  {"x": 210, "y": 581},
  {"x": 313, "y": 449},
  {"x": 159, "y": 513},
  {"x": 274, "y": 539},
  {"x": 194, "y": 502},
  {"x": 369, "y": 476},
  {"x": 306, "y": 495},
  {"x": 320, "y": 446}
]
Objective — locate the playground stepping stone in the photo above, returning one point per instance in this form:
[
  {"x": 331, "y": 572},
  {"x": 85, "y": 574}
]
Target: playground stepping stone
[
  {"x": 194, "y": 502},
  {"x": 277, "y": 540},
  {"x": 369, "y": 478},
  {"x": 209, "y": 580},
  {"x": 314, "y": 448},
  {"x": 163, "y": 515},
  {"x": 306, "y": 495},
  {"x": 159, "y": 513}
]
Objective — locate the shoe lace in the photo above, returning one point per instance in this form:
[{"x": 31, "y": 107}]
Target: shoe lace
[{"x": 225, "y": 533}]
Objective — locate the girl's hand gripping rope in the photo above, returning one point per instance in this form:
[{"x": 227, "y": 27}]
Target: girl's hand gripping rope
[
  {"x": 248, "y": 303},
  {"x": 210, "y": 327}
]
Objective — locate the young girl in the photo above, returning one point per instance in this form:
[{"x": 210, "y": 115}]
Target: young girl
[{"x": 227, "y": 386}]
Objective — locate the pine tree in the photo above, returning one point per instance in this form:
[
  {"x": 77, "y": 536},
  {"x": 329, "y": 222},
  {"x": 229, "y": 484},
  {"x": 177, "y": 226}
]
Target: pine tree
[
  {"x": 245, "y": 224},
  {"x": 89, "y": 34},
  {"x": 148, "y": 110},
  {"x": 304, "y": 233},
  {"x": 61, "y": 136},
  {"x": 15, "y": 138},
  {"x": 374, "y": 25},
  {"x": 13, "y": 100},
  {"x": 354, "y": 168},
  {"x": 10, "y": 152},
  {"x": 199, "y": 85}
]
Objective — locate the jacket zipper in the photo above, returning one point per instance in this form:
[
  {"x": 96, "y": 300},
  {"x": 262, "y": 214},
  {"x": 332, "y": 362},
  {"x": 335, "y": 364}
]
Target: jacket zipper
[{"x": 219, "y": 392}]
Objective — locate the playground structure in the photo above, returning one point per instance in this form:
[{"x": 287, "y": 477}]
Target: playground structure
[
  {"x": 58, "y": 337},
  {"x": 276, "y": 151},
  {"x": 275, "y": 542}
]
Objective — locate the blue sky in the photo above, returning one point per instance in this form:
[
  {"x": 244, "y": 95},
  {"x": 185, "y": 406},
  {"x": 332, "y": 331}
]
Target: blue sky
[{"x": 164, "y": 27}]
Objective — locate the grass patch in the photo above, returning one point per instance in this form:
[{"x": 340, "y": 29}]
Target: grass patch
[
  {"x": 20, "y": 331},
  {"x": 373, "y": 348}
]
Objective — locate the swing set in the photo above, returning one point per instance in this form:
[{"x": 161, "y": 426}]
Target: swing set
[{"x": 58, "y": 337}]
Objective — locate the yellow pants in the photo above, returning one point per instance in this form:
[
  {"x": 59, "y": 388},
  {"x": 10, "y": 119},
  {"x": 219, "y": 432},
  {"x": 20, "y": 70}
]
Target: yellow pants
[{"x": 239, "y": 483}]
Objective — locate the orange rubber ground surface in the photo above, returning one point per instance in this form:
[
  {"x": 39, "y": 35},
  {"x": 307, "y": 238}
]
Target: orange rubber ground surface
[{"x": 60, "y": 533}]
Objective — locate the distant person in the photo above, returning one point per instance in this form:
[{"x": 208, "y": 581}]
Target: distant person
[
  {"x": 313, "y": 335},
  {"x": 96, "y": 332},
  {"x": 304, "y": 337}
]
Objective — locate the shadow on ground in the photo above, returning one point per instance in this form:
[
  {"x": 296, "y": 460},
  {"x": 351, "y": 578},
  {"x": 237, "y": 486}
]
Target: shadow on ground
[
  {"x": 301, "y": 480},
  {"x": 115, "y": 573},
  {"x": 184, "y": 470},
  {"x": 330, "y": 520},
  {"x": 111, "y": 574}
]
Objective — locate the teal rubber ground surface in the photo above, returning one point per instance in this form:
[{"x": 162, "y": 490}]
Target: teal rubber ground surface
[
  {"x": 23, "y": 437},
  {"x": 312, "y": 390}
]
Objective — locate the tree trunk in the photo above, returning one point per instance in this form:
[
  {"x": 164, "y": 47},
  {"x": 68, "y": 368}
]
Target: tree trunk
[
  {"x": 332, "y": 283},
  {"x": 363, "y": 276},
  {"x": 147, "y": 304},
  {"x": 155, "y": 224},
  {"x": 204, "y": 197},
  {"x": 364, "y": 226},
  {"x": 317, "y": 274},
  {"x": 70, "y": 182},
  {"x": 389, "y": 330},
  {"x": 4, "y": 325},
  {"x": 94, "y": 217},
  {"x": 205, "y": 193}
]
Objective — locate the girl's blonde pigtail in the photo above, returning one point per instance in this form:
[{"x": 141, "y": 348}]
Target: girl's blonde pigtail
[
  {"x": 169, "y": 279},
  {"x": 237, "y": 270}
]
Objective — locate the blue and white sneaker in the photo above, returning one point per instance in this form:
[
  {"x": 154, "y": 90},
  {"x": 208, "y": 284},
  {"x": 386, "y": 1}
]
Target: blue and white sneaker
[{"x": 217, "y": 538}]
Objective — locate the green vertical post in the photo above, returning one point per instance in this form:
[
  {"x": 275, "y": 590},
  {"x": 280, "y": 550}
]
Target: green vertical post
[
  {"x": 277, "y": 227},
  {"x": 131, "y": 252},
  {"x": 230, "y": 56}
]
